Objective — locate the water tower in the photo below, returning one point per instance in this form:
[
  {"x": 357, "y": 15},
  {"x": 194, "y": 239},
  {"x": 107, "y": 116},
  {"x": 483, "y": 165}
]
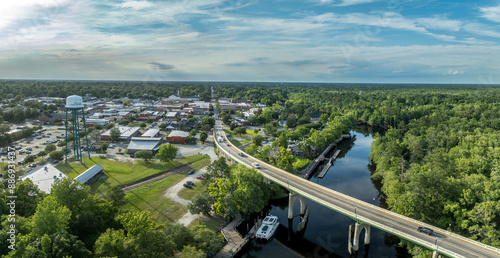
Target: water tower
[{"x": 74, "y": 104}]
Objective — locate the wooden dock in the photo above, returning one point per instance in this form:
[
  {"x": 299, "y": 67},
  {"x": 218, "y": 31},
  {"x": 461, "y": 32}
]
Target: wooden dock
[
  {"x": 314, "y": 164},
  {"x": 329, "y": 164},
  {"x": 234, "y": 240}
]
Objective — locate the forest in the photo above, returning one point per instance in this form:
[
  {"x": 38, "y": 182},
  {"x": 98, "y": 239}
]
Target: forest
[{"x": 438, "y": 158}]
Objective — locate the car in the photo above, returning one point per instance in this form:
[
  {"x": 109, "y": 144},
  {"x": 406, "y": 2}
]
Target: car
[
  {"x": 111, "y": 145},
  {"x": 256, "y": 165},
  {"x": 425, "y": 230},
  {"x": 241, "y": 154},
  {"x": 18, "y": 147},
  {"x": 190, "y": 182},
  {"x": 29, "y": 148},
  {"x": 21, "y": 151},
  {"x": 187, "y": 185},
  {"x": 39, "y": 137},
  {"x": 229, "y": 145},
  {"x": 200, "y": 177},
  {"x": 20, "y": 162},
  {"x": 132, "y": 155},
  {"x": 32, "y": 165},
  {"x": 27, "y": 152},
  {"x": 49, "y": 133},
  {"x": 191, "y": 172}
]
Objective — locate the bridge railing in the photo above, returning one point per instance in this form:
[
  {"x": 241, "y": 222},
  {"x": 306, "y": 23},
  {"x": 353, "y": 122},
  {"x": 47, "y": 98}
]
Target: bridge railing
[{"x": 360, "y": 203}]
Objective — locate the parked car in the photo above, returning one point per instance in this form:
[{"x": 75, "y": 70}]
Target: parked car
[
  {"x": 32, "y": 165},
  {"x": 427, "y": 231},
  {"x": 132, "y": 155},
  {"x": 190, "y": 182},
  {"x": 39, "y": 137},
  {"x": 21, "y": 151},
  {"x": 187, "y": 185},
  {"x": 28, "y": 152},
  {"x": 191, "y": 172},
  {"x": 20, "y": 162},
  {"x": 200, "y": 177},
  {"x": 29, "y": 148}
]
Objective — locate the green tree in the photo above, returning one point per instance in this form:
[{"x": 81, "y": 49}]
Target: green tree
[
  {"x": 208, "y": 121},
  {"x": 162, "y": 126},
  {"x": 192, "y": 133},
  {"x": 144, "y": 154},
  {"x": 240, "y": 130},
  {"x": 111, "y": 243},
  {"x": 104, "y": 147},
  {"x": 56, "y": 155},
  {"x": 50, "y": 217},
  {"x": 29, "y": 159},
  {"x": 116, "y": 196},
  {"x": 28, "y": 197},
  {"x": 201, "y": 203},
  {"x": 42, "y": 153},
  {"x": 191, "y": 252},
  {"x": 203, "y": 137},
  {"x": 217, "y": 169},
  {"x": 114, "y": 134},
  {"x": 50, "y": 148},
  {"x": 167, "y": 152},
  {"x": 257, "y": 139}
]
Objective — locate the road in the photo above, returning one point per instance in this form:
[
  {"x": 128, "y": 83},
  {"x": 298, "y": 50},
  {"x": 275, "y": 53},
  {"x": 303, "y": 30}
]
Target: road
[{"x": 441, "y": 240}]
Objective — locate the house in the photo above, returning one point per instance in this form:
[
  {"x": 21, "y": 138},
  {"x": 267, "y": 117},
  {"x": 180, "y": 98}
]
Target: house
[
  {"x": 139, "y": 143},
  {"x": 44, "y": 177},
  {"x": 314, "y": 118},
  {"x": 177, "y": 136},
  {"x": 92, "y": 122},
  {"x": 90, "y": 175},
  {"x": 126, "y": 133}
]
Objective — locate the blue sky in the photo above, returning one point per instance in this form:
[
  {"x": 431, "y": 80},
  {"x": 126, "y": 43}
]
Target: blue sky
[{"x": 252, "y": 40}]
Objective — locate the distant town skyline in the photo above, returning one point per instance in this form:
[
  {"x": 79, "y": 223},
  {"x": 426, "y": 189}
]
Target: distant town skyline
[{"x": 332, "y": 41}]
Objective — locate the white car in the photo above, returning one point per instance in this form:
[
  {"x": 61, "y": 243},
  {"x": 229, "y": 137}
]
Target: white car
[{"x": 256, "y": 165}]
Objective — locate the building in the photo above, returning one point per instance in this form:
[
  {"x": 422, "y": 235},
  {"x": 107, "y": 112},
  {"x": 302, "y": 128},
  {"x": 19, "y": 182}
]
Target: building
[
  {"x": 50, "y": 118},
  {"x": 151, "y": 133},
  {"x": 90, "y": 175},
  {"x": 139, "y": 143},
  {"x": 44, "y": 177},
  {"x": 92, "y": 122},
  {"x": 314, "y": 118},
  {"x": 177, "y": 136},
  {"x": 126, "y": 133}
]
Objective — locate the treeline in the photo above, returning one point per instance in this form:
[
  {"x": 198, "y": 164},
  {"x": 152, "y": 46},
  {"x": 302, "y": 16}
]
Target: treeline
[{"x": 70, "y": 222}]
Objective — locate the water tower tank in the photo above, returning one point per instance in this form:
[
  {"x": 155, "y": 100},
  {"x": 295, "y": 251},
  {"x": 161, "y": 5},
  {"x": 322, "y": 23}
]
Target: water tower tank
[{"x": 74, "y": 101}]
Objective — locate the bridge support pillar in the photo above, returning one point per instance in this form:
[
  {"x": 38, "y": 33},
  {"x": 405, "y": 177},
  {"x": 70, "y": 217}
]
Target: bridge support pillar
[
  {"x": 435, "y": 254},
  {"x": 291, "y": 201},
  {"x": 357, "y": 231}
]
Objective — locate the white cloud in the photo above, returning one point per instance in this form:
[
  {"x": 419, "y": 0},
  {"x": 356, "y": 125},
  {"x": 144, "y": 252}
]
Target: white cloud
[
  {"x": 136, "y": 5},
  {"x": 440, "y": 23},
  {"x": 354, "y": 2},
  {"x": 491, "y": 13},
  {"x": 481, "y": 29}
]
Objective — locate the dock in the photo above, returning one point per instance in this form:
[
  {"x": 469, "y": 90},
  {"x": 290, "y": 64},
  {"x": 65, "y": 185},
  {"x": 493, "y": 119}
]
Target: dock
[
  {"x": 234, "y": 240},
  {"x": 314, "y": 164},
  {"x": 329, "y": 164}
]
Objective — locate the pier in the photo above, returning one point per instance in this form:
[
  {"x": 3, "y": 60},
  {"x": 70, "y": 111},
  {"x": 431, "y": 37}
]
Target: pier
[
  {"x": 234, "y": 240},
  {"x": 329, "y": 164}
]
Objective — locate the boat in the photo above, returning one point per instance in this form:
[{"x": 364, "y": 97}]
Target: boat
[{"x": 268, "y": 228}]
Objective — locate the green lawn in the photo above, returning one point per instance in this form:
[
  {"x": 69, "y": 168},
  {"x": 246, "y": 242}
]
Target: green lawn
[
  {"x": 213, "y": 223},
  {"x": 119, "y": 172},
  {"x": 152, "y": 198},
  {"x": 189, "y": 193},
  {"x": 249, "y": 133}
]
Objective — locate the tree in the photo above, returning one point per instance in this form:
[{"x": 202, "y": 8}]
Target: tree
[
  {"x": 241, "y": 130},
  {"x": 28, "y": 197},
  {"x": 56, "y": 155},
  {"x": 42, "y": 153},
  {"x": 116, "y": 196},
  {"x": 208, "y": 121},
  {"x": 167, "y": 152},
  {"x": 29, "y": 159},
  {"x": 217, "y": 169},
  {"x": 50, "y": 217},
  {"x": 98, "y": 126},
  {"x": 104, "y": 147},
  {"x": 50, "y": 148},
  {"x": 144, "y": 154},
  {"x": 191, "y": 252},
  {"x": 190, "y": 139},
  {"x": 192, "y": 133},
  {"x": 257, "y": 139},
  {"x": 201, "y": 203},
  {"x": 111, "y": 243},
  {"x": 203, "y": 137},
  {"x": 114, "y": 134},
  {"x": 162, "y": 126}
]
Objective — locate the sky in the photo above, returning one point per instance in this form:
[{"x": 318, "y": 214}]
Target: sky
[{"x": 335, "y": 41}]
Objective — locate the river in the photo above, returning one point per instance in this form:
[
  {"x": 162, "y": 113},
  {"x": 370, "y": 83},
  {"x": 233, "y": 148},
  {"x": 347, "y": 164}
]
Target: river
[{"x": 326, "y": 234}]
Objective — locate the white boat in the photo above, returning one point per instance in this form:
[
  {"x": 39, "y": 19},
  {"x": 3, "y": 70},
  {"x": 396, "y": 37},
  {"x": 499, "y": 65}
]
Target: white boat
[{"x": 268, "y": 228}]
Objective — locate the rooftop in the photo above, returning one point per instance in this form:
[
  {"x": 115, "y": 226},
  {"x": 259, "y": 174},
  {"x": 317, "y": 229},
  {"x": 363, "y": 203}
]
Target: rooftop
[{"x": 44, "y": 177}]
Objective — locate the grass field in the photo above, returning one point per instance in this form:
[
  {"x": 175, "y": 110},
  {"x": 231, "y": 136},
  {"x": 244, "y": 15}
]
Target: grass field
[
  {"x": 250, "y": 133},
  {"x": 189, "y": 193},
  {"x": 152, "y": 198},
  {"x": 212, "y": 223},
  {"x": 119, "y": 172}
]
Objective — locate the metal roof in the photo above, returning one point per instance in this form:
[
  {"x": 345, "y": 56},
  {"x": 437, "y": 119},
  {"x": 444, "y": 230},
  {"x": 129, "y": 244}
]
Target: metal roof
[
  {"x": 89, "y": 173},
  {"x": 143, "y": 143}
]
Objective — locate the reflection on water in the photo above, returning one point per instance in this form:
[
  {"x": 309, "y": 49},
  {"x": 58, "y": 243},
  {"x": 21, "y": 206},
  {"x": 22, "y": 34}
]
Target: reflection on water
[{"x": 326, "y": 234}]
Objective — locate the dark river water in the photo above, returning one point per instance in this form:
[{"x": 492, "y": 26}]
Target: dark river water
[{"x": 326, "y": 234}]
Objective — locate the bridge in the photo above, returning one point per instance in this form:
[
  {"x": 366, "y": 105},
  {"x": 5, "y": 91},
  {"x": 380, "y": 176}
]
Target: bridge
[{"x": 365, "y": 214}]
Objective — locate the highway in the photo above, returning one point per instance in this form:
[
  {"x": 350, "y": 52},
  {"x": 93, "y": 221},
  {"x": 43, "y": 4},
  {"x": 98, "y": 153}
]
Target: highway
[{"x": 442, "y": 241}]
